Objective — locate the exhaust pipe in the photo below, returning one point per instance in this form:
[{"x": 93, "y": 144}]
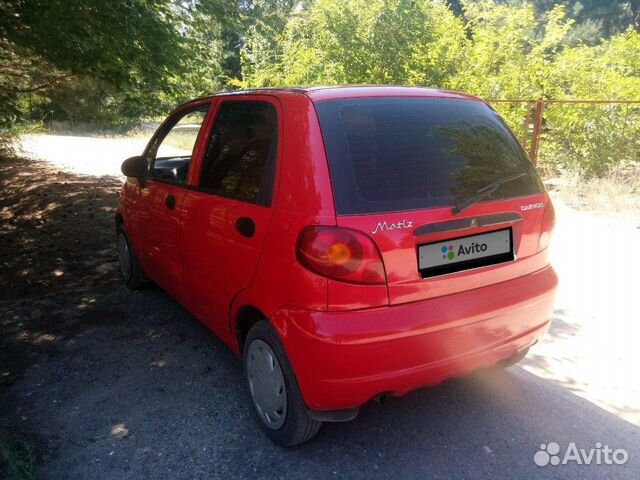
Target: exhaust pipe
[{"x": 383, "y": 397}]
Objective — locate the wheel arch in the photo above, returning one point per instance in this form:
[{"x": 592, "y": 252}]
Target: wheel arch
[
  {"x": 119, "y": 220},
  {"x": 246, "y": 317}
]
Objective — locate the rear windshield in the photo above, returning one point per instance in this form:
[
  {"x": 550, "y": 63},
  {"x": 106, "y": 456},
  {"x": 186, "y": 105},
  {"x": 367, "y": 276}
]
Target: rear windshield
[{"x": 394, "y": 154}]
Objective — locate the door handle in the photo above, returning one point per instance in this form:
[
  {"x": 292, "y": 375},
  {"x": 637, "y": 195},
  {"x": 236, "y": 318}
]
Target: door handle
[
  {"x": 246, "y": 227},
  {"x": 170, "y": 201}
]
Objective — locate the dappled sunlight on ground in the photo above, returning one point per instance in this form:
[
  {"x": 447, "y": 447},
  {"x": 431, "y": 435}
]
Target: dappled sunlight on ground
[
  {"x": 593, "y": 345},
  {"x": 120, "y": 430},
  {"x": 57, "y": 232}
]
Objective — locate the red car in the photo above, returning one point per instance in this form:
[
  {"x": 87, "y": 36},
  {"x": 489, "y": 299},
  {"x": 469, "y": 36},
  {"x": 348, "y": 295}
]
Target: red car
[{"x": 350, "y": 243}]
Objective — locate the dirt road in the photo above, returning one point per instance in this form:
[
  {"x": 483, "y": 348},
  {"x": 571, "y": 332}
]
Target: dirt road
[{"x": 109, "y": 383}]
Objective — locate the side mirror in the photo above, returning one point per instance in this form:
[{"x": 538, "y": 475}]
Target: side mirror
[{"x": 135, "y": 167}]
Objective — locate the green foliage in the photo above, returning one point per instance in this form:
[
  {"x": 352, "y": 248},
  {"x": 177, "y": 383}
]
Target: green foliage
[
  {"x": 111, "y": 63},
  {"x": 489, "y": 49},
  {"x": 104, "y": 62},
  {"x": 509, "y": 54},
  {"x": 594, "y": 18},
  {"x": 265, "y": 23},
  {"x": 595, "y": 138},
  {"x": 210, "y": 56},
  {"x": 362, "y": 41},
  {"x": 125, "y": 43}
]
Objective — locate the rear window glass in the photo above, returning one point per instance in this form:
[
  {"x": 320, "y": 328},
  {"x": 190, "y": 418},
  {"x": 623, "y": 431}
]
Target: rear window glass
[{"x": 394, "y": 154}]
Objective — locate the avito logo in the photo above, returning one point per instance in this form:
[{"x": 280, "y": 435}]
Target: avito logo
[
  {"x": 550, "y": 454},
  {"x": 475, "y": 247},
  {"x": 448, "y": 252}
]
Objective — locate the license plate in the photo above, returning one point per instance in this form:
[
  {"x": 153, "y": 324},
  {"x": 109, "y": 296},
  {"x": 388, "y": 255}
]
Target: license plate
[{"x": 463, "y": 253}]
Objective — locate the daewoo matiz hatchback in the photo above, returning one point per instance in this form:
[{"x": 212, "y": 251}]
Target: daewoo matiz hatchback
[{"x": 350, "y": 243}]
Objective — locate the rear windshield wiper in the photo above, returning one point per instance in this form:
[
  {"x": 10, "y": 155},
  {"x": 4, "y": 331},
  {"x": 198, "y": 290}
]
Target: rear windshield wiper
[{"x": 484, "y": 192}]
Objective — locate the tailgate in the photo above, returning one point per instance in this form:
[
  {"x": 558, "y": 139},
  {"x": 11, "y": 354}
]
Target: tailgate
[{"x": 399, "y": 237}]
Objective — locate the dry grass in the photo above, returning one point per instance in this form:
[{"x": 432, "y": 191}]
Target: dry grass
[{"x": 616, "y": 194}]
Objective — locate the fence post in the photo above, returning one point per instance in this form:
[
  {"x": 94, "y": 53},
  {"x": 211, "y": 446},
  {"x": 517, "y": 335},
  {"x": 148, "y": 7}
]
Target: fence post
[
  {"x": 525, "y": 125},
  {"x": 537, "y": 130}
]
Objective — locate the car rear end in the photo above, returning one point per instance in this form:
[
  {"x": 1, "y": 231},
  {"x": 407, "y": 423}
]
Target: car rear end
[{"x": 438, "y": 262}]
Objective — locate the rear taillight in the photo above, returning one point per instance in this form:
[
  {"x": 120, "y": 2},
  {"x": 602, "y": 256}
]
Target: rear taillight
[
  {"x": 340, "y": 254},
  {"x": 548, "y": 222}
]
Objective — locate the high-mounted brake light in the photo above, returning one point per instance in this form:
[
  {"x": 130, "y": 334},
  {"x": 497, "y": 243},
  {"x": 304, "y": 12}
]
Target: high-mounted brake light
[{"x": 340, "y": 254}]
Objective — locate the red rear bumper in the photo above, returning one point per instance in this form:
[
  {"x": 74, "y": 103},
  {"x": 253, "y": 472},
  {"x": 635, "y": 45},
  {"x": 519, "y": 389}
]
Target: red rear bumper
[{"x": 343, "y": 359}]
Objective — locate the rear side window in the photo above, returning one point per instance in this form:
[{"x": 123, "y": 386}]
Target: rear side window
[
  {"x": 394, "y": 154},
  {"x": 241, "y": 154}
]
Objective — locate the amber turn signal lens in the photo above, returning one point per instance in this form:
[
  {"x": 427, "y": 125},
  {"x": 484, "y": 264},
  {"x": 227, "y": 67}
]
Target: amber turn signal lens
[{"x": 341, "y": 254}]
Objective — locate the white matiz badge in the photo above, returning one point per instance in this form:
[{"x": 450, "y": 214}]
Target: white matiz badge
[{"x": 384, "y": 226}]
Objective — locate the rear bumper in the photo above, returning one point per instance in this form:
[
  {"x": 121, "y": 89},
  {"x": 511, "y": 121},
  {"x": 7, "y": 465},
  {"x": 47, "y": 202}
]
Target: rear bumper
[{"x": 343, "y": 359}]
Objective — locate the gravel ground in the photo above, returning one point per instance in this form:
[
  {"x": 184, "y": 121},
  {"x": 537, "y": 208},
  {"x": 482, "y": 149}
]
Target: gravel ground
[{"x": 108, "y": 383}]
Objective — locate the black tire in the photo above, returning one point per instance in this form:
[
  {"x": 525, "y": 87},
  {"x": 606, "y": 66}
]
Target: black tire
[
  {"x": 298, "y": 427},
  {"x": 514, "y": 359},
  {"x": 133, "y": 276}
]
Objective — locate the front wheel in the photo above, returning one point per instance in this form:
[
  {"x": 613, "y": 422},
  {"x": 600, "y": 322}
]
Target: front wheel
[
  {"x": 129, "y": 266},
  {"x": 274, "y": 389}
]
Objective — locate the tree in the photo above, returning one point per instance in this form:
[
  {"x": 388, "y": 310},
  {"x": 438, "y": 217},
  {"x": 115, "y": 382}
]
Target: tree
[
  {"x": 264, "y": 29},
  {"x": 594, "y": 19},
  {"x": 140, "y": 55},
  {"x": 490, "y": 49},
  {"x": 595, "y": 138},
  {"x": 129, "y": 43},
  {"x": 360, "y": 41}
]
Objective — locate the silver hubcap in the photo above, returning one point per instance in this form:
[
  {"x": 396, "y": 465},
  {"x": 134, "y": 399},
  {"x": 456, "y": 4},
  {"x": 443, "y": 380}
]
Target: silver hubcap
[
  {"x": 266, "y": 383},
  {"x": 124, "y": 257}
]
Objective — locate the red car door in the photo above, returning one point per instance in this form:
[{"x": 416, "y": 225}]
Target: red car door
[
  {"x": 170, "y": 155},
  {"x": 225, "y": 218}
]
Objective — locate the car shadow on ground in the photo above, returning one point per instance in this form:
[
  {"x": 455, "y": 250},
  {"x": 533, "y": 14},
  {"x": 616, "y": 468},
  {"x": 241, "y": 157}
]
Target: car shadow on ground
[{"x": 148, "y": 392}]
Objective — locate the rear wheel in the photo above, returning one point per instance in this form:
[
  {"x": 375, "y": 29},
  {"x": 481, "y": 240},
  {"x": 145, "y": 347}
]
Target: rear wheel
[
  {"x": 129, "y": 266},
  {"x": 274, "y": 389}
]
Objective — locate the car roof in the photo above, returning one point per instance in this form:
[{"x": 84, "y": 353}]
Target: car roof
[
  {"x": 318, "y": 94},
  {"x": 323, "y": 93}
]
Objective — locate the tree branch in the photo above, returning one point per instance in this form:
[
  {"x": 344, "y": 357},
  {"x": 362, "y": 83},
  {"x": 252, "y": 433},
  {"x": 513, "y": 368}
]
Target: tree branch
[{"x": 39, "y": 87}]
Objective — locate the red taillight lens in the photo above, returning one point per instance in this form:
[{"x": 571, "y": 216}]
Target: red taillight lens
[
  {"x": 340, "y": 254},
  {"x": 548, "y": 222}
]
